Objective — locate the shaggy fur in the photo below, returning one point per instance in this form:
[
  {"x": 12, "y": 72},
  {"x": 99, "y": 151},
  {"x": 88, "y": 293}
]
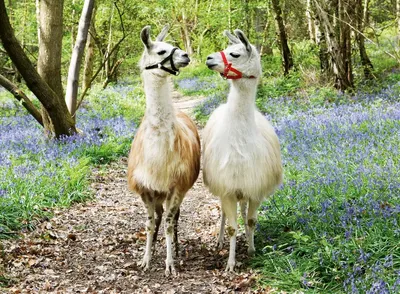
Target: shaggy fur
[
  {"x": 241, "y": 152},
  {"x": 164, "y": 160}
]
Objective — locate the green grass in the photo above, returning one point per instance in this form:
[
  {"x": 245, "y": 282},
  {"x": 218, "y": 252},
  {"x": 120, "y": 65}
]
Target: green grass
[{"x": 38, "y": 175}]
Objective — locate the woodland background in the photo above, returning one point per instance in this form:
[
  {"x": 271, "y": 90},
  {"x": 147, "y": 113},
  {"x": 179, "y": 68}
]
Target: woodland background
[{"x": 330, "y": 86}]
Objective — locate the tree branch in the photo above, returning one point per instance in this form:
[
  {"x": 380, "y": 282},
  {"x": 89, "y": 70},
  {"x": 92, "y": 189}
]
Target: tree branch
[
  {"x": 106, "y": 59},
  {"x": 21, "y": 97}
]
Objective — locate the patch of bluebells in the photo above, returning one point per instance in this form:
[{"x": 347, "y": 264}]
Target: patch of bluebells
[
  {"x": 210, "y": 104},
  {"x": 35, "y": 170},
  {"x": 342, "y": 185},
  {"x": 194, "y": 84}
]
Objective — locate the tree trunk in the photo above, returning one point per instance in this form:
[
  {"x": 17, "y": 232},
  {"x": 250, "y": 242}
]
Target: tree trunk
[
  {"x": 286, "y": 55},
  {"x": 260, "y": 22},
  {"x": 310, "y": 23},
  {"x": 89, "y": 55},
  {"x": 76, "y": 58},
  {"x": 345, "y": 11},
  {"x": 56, "y": 107},
  {"x": 186, "y": 35},
  {"x": 323, "y": 49},
  {"x": 397, "y": 17},
  {"x": 338, "y": 66},
  {"x": 361, "y": 19},
  {"x": 50, "y": 32}
]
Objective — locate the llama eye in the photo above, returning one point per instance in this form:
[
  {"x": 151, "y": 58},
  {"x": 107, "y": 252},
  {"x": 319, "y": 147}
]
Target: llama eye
[
  {"x": 234, "y": 55},
  {"x": 161, "y": 52}
]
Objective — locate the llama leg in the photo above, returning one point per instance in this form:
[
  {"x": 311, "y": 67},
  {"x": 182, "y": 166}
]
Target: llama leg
[
  {"x": 229, "y": 206},
  {"x": 159, "y": 212},
  {"x": 148, "y": 202},
  {"x": 172, "y": 207},
  {"x": 243, "y": 210},
  {"x": 176, "y": 218},
  {"x": 252, "y": 221},
  {"x": 221, "y": 231}
]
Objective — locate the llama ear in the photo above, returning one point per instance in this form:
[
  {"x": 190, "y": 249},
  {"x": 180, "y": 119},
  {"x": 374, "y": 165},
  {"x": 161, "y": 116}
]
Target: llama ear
[
  {"x": 145, "y": 36},
  {"x": 163, "y": 33},
  {"x": 232, "y": 38},
  {"x": 242, "y": 37}
]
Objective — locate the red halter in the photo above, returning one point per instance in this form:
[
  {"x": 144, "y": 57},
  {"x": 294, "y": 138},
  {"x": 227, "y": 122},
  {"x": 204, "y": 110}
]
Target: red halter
[{"x": 229, "y": 68}]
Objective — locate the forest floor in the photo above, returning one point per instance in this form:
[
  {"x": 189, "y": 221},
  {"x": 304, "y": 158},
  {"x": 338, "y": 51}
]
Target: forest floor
[{"x": 94, "y": 247}]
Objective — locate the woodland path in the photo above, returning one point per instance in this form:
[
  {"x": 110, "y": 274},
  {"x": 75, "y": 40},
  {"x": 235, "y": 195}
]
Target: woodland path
[{"x": 94, "y": 247}]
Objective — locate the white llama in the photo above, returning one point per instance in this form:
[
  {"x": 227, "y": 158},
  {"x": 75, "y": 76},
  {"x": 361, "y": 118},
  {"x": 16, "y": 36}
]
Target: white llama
[
  {"x": 241, "y": 152},
  {"x": 164, "y": 160}
]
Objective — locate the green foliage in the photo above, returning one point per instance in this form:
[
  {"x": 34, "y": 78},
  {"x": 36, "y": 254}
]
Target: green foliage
[
  {"x": 59, "y": 184},
  {"x": 124, "y": 99},
  {"x": 38, "y": 175},
  {"x": 109, "y": 151}
]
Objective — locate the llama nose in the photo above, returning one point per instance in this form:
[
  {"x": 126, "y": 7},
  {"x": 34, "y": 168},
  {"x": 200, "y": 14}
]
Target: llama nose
[
  {"x": 185, "y": 55},
  {"x": 209, "y": 58}
]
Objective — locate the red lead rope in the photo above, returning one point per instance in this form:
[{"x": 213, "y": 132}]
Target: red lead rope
[{"x": 229, "y": 68}]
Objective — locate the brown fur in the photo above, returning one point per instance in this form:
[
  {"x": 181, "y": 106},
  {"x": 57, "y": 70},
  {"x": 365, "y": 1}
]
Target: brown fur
[{"x": 184, "y": 145}]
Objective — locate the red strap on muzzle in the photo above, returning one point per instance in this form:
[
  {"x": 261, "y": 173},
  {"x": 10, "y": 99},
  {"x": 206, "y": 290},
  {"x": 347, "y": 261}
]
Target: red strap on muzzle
[{"x": 229, "y": 68}]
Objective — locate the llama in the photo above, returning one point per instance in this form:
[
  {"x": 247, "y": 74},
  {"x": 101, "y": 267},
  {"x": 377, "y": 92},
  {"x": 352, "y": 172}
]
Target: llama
[
  {"x": 164, "y": 160},
  {"x": 241, "y": 151}
]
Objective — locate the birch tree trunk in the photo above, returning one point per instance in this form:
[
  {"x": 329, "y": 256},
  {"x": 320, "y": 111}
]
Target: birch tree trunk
[
  {"x": 76, "y": 58},
  {"x": 186, "y": 35},
  {"x": 89, "y": 55},
  {"x": 286, "y": 54},
  {"x": 310, "y": 23},
  {"x": 107, "y": 61},
  {"x": 397, "y": 17}
]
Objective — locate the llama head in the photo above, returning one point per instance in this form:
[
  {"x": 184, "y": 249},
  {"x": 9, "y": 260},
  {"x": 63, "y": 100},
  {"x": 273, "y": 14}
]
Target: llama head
[
  {"x": 159, "y": 56},
  {"x": 242, "y": 56}
]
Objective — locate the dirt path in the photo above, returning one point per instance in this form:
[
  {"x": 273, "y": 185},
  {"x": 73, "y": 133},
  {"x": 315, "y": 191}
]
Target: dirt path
[{"x": 94, "y": 247}]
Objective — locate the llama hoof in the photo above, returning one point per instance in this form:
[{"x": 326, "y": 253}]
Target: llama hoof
[
  {"x": 170, "y": 271},
  {"x": 251, "y": 251},
  {"x": 145, "y": 264},
  {"x": 230, "y": 267}
]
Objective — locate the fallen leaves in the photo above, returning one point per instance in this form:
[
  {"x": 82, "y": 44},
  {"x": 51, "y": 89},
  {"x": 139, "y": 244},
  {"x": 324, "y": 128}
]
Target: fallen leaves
[{"x": 95, "y": 247}]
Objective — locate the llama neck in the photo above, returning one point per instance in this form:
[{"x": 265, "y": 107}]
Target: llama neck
[
  {"x": 159, "y": 108},
  {"x": 241, "y": 98}
]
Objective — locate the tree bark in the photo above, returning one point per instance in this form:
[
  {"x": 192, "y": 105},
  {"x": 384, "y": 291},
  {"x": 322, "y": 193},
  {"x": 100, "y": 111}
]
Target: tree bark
[
  {"x": 22, "y": 98},
  {"x": 337, "y": 63},
  {"x": 346, "y": 9},
  {"x": 57, "y": 109},
  {"x": 50, "y": 32},
  {"x": 50, "y": 43},
  {"x": 186, "y": 35},
  {"x": 310, "y": 23},
  {"x": 361, "y": 20},
  {"x": 76, "y": 58},
  {"x": 397, "y": 17},
  {"x": 286, "y": 54},
  {"x": 89, "y": 55}
]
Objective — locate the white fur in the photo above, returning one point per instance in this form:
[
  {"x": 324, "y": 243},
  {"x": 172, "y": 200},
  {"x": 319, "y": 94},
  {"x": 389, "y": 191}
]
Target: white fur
[{"x": 241, "y": 152}]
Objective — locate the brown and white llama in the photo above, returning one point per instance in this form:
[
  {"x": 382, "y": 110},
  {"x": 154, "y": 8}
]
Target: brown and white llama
[
  {"x": 164, "y": 160},
  {"x": 241, "y": 151}
]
